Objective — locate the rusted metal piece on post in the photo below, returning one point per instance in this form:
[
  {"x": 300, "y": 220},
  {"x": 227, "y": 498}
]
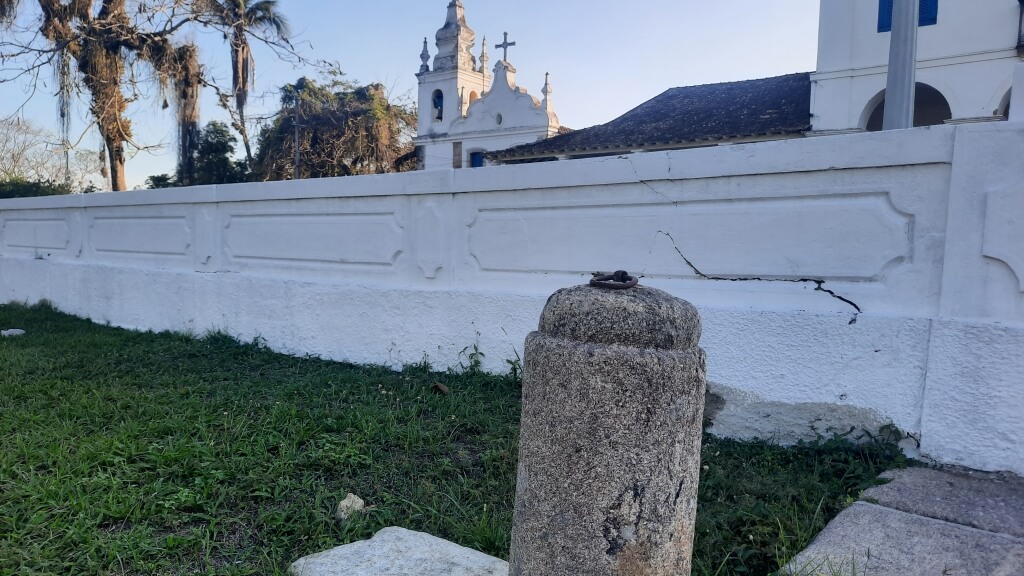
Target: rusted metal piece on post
[{"x": 620, "y": 280}]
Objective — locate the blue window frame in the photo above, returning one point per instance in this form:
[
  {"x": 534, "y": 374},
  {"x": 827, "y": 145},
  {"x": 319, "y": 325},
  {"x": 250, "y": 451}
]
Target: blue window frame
[{"x": 929, "y": 14}]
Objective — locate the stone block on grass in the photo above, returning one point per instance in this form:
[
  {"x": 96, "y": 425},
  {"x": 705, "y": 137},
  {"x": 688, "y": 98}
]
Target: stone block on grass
[{"x": 400, "y": 552}]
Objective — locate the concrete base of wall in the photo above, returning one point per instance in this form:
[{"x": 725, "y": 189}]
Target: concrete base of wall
[{"x": 740, "y": 414}]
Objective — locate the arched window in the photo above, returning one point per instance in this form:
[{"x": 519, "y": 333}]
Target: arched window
[
  {"x": 473, "y": 96},
  {"x": 437, "y": 101},
  {"x": 930, "y": 109}
]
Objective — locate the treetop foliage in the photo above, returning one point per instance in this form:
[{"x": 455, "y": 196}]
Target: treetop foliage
[{"x": 340, "y": 130}]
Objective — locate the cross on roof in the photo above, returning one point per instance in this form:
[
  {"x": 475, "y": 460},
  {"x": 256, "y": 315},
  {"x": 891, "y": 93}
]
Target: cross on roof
[{"x": 505, "y": 46}]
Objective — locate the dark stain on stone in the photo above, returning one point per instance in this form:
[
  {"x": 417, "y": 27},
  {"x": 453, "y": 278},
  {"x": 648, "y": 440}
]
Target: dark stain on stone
[{"x": 610, "y": 531}]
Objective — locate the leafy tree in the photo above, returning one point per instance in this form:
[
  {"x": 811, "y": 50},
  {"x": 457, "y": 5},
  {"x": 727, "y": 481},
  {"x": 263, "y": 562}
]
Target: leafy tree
[
  {"x": 213, "y": 160},
  {"x": 20, "y": 188},
  {"x": 243, "y": 19},
  {"x": 214, "y": 163},
  {"x": 338, "y": 130},
  {"x": 158, "y": 181}
]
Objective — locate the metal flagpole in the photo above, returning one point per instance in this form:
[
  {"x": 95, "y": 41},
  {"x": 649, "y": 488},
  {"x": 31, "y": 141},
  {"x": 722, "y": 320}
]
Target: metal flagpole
[{"x": 900, "y": 87}]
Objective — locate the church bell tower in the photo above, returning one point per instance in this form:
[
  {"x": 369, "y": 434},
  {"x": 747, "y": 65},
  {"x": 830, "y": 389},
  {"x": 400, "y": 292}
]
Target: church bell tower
[{"x": 456, "y": 79}]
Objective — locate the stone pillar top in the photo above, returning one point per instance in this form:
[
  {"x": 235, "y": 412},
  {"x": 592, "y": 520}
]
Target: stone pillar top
[
  {"x": 640, "y": 317},
  {"x": 425, "y": 58},
  {"x": 484, "y": 58},
  {"x": 455, "y": 41},
  {"x": 547, "y": 91}
]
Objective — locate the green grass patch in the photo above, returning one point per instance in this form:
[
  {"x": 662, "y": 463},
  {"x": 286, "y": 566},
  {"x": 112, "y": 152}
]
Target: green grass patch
[{"x": 132, "y": 453}]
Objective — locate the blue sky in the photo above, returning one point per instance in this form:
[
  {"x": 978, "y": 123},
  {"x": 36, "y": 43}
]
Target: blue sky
[{"x": 605, "y": 57}]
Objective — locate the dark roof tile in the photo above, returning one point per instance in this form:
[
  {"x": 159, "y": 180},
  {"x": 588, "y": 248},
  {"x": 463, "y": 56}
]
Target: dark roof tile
[{"x": 751, "y": 108}]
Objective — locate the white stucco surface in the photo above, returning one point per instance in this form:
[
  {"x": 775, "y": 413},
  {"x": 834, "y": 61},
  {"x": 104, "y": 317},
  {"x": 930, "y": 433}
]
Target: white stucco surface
[
  {"x": 973, "y": 396},
  {"x": 969, "y": 56},
  {"x": 918, "y": 229}
]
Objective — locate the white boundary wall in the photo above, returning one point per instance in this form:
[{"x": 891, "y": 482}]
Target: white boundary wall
[{"x": 922, "y": 229}]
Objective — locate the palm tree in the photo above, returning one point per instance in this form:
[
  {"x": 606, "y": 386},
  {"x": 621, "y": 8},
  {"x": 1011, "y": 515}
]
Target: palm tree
[
  {"x": 102, "y": 45},
  {"x": 239, "y": 20}
]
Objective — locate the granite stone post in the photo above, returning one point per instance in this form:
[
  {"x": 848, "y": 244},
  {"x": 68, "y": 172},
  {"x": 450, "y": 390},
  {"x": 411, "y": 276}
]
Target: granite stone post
[{"x": 609, "y": 451}]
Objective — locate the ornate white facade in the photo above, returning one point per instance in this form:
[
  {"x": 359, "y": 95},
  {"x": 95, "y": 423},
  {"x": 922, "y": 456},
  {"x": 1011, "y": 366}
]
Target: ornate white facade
[
  {"x": 965, "y": 63},
  {"x": 461, "y": 114}
]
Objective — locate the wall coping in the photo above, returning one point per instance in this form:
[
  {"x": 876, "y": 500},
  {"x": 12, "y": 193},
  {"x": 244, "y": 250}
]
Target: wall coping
[{"x": 929, "y": 145}]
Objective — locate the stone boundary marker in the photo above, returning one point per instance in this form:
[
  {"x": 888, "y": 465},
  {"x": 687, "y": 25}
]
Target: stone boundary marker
[{"x": 609, "y": 454}]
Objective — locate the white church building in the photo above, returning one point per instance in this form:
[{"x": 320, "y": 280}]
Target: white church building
[
  {"x": 967, "y": 51},
  {"x": 464, "y": 110},
  {"x": 966, "y": 54}
]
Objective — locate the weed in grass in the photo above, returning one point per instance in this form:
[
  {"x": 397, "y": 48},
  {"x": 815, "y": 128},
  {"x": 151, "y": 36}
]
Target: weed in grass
[{"x": 163, "y": 454}]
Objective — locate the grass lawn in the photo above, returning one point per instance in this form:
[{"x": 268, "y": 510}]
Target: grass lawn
[{"x": 129, "y": 453}]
